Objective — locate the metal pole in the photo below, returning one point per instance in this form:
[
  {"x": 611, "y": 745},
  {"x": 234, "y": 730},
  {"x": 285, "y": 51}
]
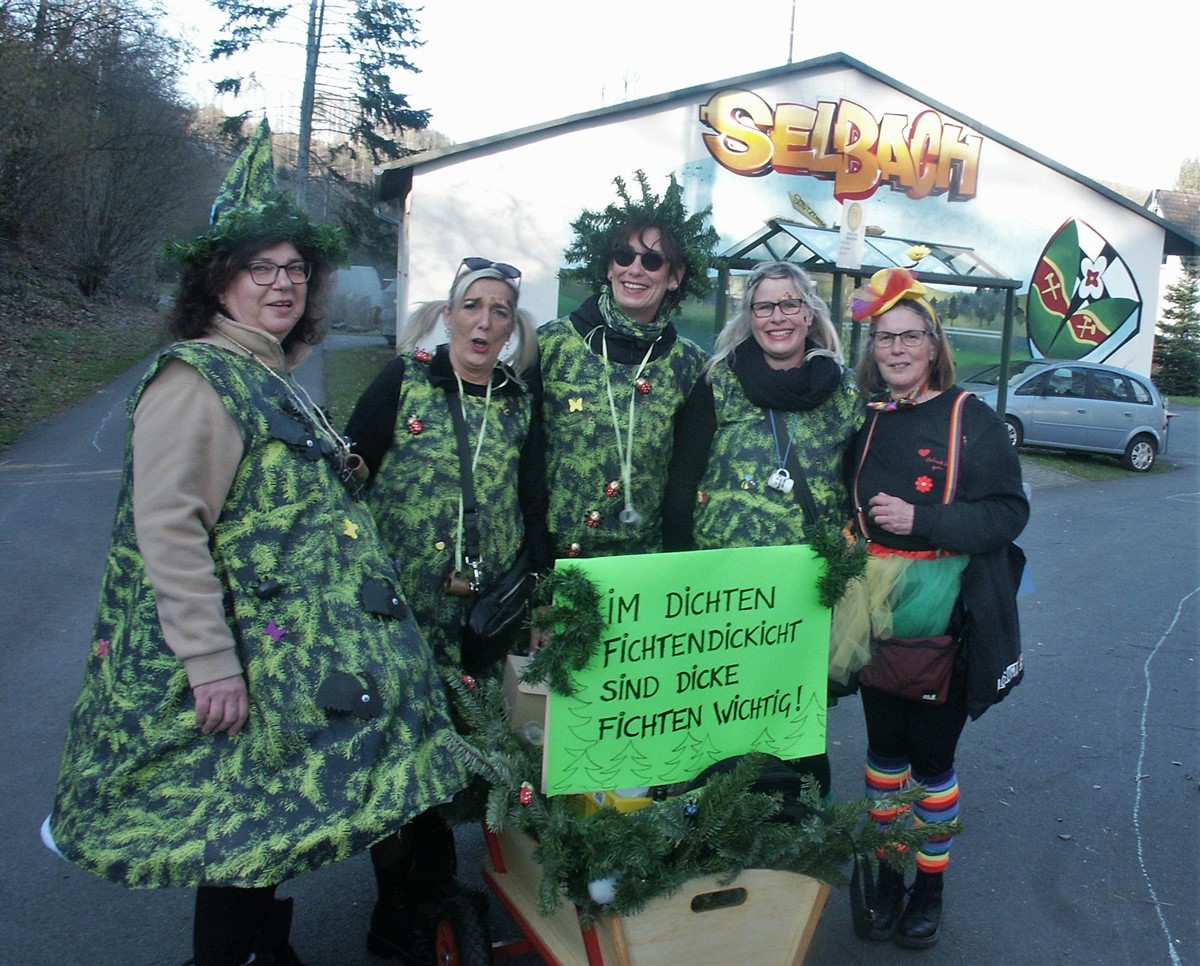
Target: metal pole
[
  {"x": 1010, "y": 301},
  {"x": 792, "y": 32}
]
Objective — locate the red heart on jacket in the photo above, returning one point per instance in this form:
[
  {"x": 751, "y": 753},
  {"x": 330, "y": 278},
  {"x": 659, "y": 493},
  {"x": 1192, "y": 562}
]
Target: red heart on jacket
[{"x": 923, "y": 452}]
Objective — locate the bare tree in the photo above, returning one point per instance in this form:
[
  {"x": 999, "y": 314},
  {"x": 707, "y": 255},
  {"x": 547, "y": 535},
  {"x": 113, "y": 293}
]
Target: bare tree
[{"x": 95, "y": 150}]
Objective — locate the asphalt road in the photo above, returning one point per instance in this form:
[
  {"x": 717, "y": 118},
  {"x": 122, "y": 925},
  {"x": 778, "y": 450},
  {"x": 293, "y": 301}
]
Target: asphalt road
[{"x": 1079, "y": 793}]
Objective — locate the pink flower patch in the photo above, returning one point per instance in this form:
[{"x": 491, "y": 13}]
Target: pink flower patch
[{"x": 924, "y": 484}]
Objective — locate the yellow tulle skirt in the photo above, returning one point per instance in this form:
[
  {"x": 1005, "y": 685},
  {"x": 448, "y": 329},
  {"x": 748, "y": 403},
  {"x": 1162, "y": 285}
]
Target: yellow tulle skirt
[{"x": 898, "y": 596}]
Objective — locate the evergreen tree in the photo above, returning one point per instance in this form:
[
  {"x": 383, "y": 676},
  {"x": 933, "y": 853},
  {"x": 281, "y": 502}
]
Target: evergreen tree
[
  {"x": 1189, "y": 176},
  {"x": 366, "y": 39},
  {"x": 1177, "y": 347}
]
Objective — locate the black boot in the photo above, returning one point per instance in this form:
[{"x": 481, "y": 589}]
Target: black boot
[
  {"x": 272, "y": 945},
  {"x": 876, "y": 901},
  {"x": 918, "y": 927},
  {"x": 415, "y": 876}
]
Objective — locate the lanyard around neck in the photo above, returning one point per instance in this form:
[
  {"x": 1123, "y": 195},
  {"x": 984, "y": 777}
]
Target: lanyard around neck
[
  {"x": 473, "y": 553},
  {"x": 630, "y": 514},
  {"x": 781, "y": 459}
]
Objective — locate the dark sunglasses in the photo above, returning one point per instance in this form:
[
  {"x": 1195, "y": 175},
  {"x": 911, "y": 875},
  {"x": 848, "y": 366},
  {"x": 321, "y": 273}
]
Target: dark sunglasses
[
  {"x": 474, "y": 263},
  {"x": 623, "y": 255}
]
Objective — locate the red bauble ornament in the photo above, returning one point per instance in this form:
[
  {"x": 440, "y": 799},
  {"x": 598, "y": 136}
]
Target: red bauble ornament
[
  {"x": 574, "y": 550},
  {"x": 414, "y": 426},
  {"x": 525, "y": 795},
  {"x": 613, "y": 488},
  {"x": 422, "y": 355},
  {"x": 643, "y": 385},
  {"x": 593, "y": 519},
  {"x": 469, "y": 682}
]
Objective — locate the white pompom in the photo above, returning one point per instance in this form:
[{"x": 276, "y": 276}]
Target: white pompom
[{"x": 603, "y": 891}]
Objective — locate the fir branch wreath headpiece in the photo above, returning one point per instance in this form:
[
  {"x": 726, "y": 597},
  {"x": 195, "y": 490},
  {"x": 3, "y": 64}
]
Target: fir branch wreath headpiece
[{"x": 595, "y": 231}]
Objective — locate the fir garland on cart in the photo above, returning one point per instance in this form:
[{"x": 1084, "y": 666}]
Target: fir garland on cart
[
  {"x": 612, "y": 862},
  {"x": 719, "y": 829}
]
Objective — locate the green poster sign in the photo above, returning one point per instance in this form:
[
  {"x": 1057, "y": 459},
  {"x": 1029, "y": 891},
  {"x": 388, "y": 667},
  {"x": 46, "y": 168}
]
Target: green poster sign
[{"x": 706, "y": 655}]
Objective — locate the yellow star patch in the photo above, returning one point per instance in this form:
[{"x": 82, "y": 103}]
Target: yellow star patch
[{"x": 351, "y": 529}]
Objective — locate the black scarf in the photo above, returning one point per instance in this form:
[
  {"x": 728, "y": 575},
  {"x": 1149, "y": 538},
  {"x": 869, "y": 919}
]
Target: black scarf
[{"x": 788, "y": 390}]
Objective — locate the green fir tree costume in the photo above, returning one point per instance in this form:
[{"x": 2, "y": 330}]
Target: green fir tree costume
[
  {"x": 649, "y": 378},
  {"x": 734, "y": 505},
  {"x": 348, "y": 728},
  {"x": 415, "y": 493}
]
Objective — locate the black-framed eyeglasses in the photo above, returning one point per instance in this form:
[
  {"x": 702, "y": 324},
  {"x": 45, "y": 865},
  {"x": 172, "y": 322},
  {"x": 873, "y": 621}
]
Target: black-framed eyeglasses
[
  {"x": 909, "y": 339},
  {"x": 764, "y": 310},
  {"x": 265, "y": 273},
  {"x": 473, "y": 263},
  {"x": 623, "y": 255}
]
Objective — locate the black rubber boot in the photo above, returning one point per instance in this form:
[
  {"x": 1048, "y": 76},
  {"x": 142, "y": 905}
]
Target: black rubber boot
[
  {"x": 918, "y": 927},
  {"x": 876, "y": 901}
]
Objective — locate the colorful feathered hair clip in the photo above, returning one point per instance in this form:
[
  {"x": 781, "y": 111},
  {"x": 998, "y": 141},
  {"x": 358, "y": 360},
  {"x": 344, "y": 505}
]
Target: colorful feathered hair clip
[{"x": 887, "y": 287}]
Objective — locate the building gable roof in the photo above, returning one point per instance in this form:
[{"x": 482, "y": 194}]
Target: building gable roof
[{"x": 393, "y": 181}]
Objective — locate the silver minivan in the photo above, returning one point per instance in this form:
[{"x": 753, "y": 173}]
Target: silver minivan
[{"x": 1085, "y": 406}]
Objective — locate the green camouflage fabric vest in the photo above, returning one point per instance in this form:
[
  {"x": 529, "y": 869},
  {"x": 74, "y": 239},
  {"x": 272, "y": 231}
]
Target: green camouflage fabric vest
[
  {"x": 349, "y": 729},
  {"x": 582, "y": 464},
  {"x": 414, "y": 497},
  {"x": 735, "y": 507}
]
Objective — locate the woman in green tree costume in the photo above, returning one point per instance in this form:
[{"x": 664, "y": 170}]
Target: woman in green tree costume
[
  {"x": 403, "y": 427},
  {"x": 615, "y": 372},
  {"x": 258, "y": 701},
  {"x": 761, "y": 443}
]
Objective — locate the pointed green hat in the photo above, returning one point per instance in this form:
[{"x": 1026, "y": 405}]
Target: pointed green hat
[{"x": 249, "y": 206}]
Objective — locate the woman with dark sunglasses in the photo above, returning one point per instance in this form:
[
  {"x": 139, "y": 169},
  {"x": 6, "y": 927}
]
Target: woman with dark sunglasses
[{"x": 616, "y": 371}]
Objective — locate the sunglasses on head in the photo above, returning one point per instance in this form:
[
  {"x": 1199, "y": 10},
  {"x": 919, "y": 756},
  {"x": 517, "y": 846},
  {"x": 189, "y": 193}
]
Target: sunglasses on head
[
  {"x": 474, "y": 263},
  {"x": 623, "y": 255}
]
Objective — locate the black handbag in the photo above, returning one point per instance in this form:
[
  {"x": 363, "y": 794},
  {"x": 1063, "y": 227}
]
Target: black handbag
[
  {"x": 499, "y": 616},
  {"x": 500, "y": 613}
]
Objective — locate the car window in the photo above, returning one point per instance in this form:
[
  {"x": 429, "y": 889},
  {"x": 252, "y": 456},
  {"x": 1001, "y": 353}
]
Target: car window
[
  {"x": 1034, "y": 386},
  {"x": 1140, "y": 393},
  {"x": 1110, "y": 386},
  {"x": 1065, "y": 381}
]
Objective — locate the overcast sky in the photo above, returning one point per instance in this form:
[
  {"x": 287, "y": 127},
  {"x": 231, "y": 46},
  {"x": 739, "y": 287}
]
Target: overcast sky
[{"x": 1108, "y": 93}]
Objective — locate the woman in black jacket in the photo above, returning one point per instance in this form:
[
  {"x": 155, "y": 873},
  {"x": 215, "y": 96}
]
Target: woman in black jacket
[{"x": 938, "y": 496}]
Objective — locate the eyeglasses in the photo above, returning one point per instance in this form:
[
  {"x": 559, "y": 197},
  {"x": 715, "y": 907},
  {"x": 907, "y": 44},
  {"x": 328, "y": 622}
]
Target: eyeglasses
[
  {"x": 623, "y": 255},
  {"x": 474, "y": 263},
  {"x": 265, "y": 273},
  {"x": 764, "y": 310},
  {"x": 911, "y": 338}
]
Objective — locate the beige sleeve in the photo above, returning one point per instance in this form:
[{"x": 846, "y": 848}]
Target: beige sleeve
[{"x": 186, "y": 451}]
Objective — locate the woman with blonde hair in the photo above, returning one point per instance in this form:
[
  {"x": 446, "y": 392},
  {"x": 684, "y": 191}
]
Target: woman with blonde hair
[{"x": 760, "y": 444}]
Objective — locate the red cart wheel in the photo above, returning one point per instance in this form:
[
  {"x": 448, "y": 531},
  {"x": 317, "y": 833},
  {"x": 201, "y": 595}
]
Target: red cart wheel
[{"x": 461, "y": 936}]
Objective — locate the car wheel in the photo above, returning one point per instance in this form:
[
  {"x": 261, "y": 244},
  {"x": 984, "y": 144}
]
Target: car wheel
[
  {"x": 1015, "y": 436},
  {"x": 1139, "y": 454}
]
